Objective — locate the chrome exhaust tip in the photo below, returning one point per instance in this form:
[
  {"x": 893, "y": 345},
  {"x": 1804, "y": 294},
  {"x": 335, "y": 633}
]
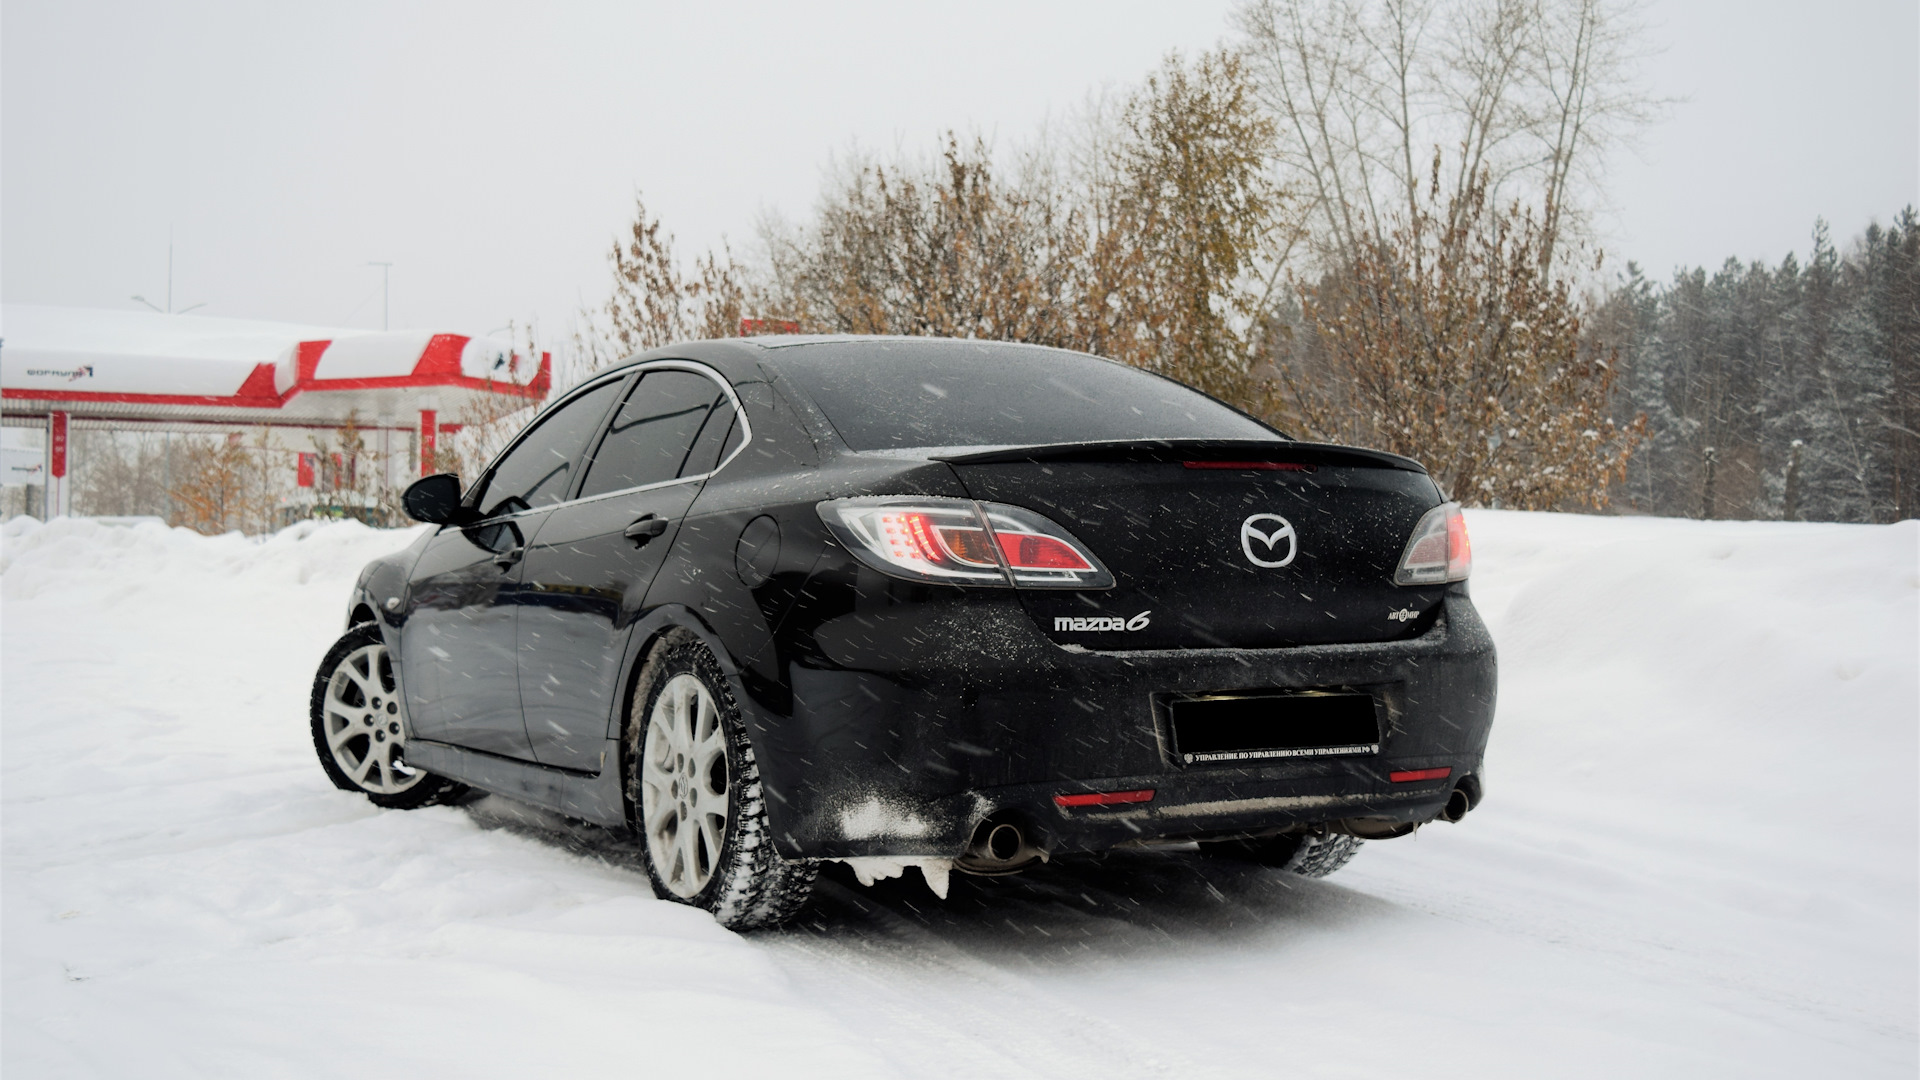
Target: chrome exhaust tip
[{"x": 998, "y": 847}]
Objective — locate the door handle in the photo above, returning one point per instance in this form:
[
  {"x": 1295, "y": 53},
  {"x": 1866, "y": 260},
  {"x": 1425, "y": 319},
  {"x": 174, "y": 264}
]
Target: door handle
[
  {"x": 645, "y": 529},
  {"x": 512, "y": 555}
]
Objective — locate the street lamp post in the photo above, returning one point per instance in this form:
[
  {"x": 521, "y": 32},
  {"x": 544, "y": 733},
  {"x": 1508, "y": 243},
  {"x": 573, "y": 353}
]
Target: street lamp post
[{"x": 386, "y": 269}]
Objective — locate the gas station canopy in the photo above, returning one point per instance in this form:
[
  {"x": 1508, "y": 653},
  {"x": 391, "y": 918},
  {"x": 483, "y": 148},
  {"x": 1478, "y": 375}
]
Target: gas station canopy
[
  {"x": 134, "y": 369},
  {"x": 139, "y": 366}
]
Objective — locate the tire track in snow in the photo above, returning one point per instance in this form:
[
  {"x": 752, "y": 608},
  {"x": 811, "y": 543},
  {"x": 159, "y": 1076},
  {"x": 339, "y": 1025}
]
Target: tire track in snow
[{"x": 945, "y": 1011}]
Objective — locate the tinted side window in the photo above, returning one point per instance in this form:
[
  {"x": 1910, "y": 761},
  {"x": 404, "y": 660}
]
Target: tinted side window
[
  {"x": 536, "y": 471},
  {"x": 652, "y": 439}
]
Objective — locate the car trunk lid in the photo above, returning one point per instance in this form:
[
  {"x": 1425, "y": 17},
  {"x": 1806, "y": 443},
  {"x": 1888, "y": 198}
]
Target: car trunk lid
[{"x": 1221, "y": 545}]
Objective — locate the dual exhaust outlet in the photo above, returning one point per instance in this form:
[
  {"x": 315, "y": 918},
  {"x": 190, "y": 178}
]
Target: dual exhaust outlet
[{"x": 1000, "y": 846}]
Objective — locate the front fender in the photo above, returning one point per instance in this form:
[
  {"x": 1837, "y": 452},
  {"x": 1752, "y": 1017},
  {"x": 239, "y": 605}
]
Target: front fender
[{"x": 383, "y": 579}]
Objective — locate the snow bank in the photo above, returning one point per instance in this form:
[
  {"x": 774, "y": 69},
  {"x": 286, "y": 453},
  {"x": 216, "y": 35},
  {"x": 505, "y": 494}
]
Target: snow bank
[{"x": 1697, "y": 857}]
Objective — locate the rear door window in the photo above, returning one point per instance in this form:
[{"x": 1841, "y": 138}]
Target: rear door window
[
  {"x": 718, "y": 437},
  {"x": 671, "y": 425}
]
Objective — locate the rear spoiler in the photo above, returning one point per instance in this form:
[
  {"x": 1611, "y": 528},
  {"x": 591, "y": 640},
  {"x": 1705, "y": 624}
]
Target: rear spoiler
[{"x": 1172, "y": 450}]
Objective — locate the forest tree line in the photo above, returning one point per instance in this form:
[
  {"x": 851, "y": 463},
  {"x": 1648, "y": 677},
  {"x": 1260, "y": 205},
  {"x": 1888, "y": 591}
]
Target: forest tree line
[
  {"x": 1363, "y": 221},
  {"x": 1789, "y": 391}
]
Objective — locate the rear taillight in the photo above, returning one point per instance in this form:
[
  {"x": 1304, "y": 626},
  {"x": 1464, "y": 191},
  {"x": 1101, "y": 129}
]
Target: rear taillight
[
  {"x": 963, "y": 542},
  {"x": 1439, "y": 550}
]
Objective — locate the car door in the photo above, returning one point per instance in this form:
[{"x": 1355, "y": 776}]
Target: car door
[
  {"x": 589, "y": 567},
  {"x": 457, "y": 637}
]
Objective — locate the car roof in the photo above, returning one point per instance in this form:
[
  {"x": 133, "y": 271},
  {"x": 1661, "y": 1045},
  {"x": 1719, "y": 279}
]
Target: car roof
[
  {"x": 735, "y": 357},
  {"x": 793, "y": 341}
]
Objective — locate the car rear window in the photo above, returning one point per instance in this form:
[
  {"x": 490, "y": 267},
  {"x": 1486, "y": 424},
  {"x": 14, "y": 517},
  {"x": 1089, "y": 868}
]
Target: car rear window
[{"x": 892, "y": 395}]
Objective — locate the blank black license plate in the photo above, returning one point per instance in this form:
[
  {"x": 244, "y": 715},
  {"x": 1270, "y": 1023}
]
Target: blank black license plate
[{"x": 1255, "y": 727}]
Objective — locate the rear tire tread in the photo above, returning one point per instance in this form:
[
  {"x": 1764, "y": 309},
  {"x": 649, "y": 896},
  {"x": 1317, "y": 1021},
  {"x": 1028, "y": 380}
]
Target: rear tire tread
[
  {"x": 753, "y": 887},
  {"x": 1309, "y": 855}
]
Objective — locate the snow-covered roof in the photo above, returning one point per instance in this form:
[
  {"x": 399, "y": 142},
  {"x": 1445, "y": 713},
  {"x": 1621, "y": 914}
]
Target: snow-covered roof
[{"x": 135, "y": 364}]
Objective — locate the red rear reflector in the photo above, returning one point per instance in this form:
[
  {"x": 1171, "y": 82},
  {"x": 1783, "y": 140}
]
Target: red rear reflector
[
  {"x": 1271, "y": 466},
  {"x": 1031, "y": 551},
  {"x": 1104, "y": 798},
  {"x": 1410, "y": 775},
  {"x": 1459, "y": 548}
]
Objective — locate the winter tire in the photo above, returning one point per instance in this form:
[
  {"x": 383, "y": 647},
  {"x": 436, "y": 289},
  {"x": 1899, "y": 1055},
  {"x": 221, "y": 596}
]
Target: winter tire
[
  {"x": 357, "y": 732},
  {"x": 1303, "y": 853},
  {"x": 694, "y": 792}
]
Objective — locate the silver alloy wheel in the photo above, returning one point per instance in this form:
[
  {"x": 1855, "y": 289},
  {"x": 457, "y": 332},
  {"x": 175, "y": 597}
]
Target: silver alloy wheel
[
  {"x": 683, "y": 785},
  {"x": 362, "y": 710}
]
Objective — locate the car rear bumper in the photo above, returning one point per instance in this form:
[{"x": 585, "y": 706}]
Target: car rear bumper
[{"x": 909, "y": 726}]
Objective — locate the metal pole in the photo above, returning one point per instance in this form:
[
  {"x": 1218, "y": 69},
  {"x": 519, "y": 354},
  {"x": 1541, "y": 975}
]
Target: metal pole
[{"x": 385, "y": 279}]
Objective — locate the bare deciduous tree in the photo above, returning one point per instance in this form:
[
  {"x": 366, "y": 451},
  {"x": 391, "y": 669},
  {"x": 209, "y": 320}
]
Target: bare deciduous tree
[
  {"x": 1526, "y": 95},
  {"x": 1155, "y": 250},
  {"x": 1451, "y": 340},
  {"x": 118, "y": 473},
  {"x": 653, "y": 302},
  {"x": 226, "y": 484}
]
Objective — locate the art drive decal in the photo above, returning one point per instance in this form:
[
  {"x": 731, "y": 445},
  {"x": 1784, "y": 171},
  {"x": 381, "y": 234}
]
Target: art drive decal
[{"x": 84, "y": 371}]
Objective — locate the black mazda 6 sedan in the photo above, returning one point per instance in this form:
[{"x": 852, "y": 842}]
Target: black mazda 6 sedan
[{"x": 902, "y": 602}]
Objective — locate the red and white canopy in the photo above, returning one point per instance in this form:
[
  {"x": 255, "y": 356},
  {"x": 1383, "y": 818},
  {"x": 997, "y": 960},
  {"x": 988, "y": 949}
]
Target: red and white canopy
[{"x": 141, "y": 366}]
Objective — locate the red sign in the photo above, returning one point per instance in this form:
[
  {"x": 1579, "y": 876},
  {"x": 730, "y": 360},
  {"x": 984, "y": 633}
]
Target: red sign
[
  {"x": 428, "y": 441},
  {"x": 306, "y": 470},
  {"x": 57, "y": 432},
  {"x": 751, "y": 327}
]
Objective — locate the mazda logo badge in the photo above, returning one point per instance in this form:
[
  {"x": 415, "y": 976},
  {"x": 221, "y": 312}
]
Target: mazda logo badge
[{"x": 1269, "y": 531}]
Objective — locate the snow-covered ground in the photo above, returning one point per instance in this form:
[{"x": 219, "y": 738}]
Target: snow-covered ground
[{"x": 1698, "y": 857}]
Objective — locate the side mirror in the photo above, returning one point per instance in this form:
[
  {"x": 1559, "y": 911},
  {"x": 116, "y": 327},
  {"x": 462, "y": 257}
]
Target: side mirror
[{"x": 435, "y": 500}]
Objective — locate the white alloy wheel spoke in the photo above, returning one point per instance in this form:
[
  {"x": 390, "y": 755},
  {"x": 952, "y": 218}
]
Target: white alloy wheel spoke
[
  {"x": 657, "y": 807},
  {"x": 705, "y": 763},
  {"x": 347, "y": 730},
  {"x": 690, "y": 850},
  {"x": 702, "y": 719},
  {"x": 365, "y": 681},
  {"x": 336, "y": 697},
  {"x": 678, "y": 867}
]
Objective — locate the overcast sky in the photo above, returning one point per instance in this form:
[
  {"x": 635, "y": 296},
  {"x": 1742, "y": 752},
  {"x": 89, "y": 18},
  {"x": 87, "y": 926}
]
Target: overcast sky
[{"x": 490, "y": 150}]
